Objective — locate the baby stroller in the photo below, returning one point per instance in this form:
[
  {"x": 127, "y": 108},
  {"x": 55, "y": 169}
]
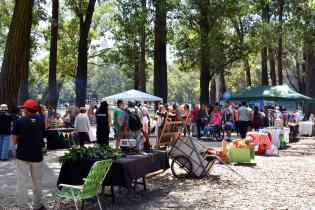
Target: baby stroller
[{"x": 214, "y": 133}]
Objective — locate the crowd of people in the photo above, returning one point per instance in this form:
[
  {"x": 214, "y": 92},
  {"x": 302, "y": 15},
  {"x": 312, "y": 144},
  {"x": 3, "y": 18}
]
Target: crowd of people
[
  {"x": 239, "y": 118},
  {"x": 24, "y": 129}
]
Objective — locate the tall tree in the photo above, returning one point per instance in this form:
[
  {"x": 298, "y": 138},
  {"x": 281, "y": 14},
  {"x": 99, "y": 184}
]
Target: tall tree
[
  {"x": 204, "y": 7},
  {"x": 280, "y": 41},
  {"x": 272, "y": 66},
  {"x": 24, "y": 90},
  {"x": 52, "y": 78},
  {"x": 264, "y": 50},
  {"x": 310, "y": 84},
  {"x": 84, "y": 11},
  {"x": 142, "y": 77},
  {"x": 160, "y": 62},
  {"x": 239, "y": 28},
  {"x": 221, "y": 83},
  {"x": 131, "y": 40},
  {"x": 213, "y": 91},
  {"x": 16, "y": 56}
]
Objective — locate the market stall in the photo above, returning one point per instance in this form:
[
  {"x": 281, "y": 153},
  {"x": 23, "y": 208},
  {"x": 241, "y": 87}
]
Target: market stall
[
  {"x": 260, "y": 138},
  {"x": 123, "y": 171},
  {"x": 133, "y": 95},
  {"x": 277, "y": 133},
  {"x": 270, "y": 93},
  {"x": 306, "y": 128},
  {"x": 57, "y": 138}
]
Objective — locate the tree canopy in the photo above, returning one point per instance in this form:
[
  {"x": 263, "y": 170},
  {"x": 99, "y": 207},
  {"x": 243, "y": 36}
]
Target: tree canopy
[{"x": 181, "y": 50}]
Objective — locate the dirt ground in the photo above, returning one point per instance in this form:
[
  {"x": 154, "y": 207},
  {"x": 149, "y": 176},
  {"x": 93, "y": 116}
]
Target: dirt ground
[{"x": 285, "y": 182}]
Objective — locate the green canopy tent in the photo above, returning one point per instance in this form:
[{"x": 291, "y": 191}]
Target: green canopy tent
[{"x": 270, "y": 93}]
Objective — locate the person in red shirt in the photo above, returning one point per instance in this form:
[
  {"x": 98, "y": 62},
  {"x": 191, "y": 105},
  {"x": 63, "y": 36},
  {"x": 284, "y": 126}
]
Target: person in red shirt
[
  {"x": 236, "y": 119},
  {"x": 194, "y": 118}
]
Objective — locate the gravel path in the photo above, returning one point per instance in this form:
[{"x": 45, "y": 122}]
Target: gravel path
[{"x": 285, "y": 182}]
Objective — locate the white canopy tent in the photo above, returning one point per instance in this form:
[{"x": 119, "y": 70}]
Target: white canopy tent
[{"x": 133, "y": 95}]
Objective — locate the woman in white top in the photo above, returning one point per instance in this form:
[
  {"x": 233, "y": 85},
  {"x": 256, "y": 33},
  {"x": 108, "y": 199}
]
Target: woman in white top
[
  {"x": 145, "y": 119},
  {"x": 82, "y": 125},
  {"x": 244, "y": 115}
]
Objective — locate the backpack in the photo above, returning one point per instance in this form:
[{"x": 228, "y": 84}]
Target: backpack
[{"x": 134, "y": 121}]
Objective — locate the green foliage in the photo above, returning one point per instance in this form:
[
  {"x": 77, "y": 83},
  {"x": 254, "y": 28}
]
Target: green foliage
[
  {"x": 236, "y": 32},
  {"x": 97, "y": 152},
  {"x": 107, "y": 80}
]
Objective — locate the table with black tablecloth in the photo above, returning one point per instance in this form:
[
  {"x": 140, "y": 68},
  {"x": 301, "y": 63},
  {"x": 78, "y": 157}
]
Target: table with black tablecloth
[
  {"x": 56, "y": 139},
  {"x": 122, "y": 172}
]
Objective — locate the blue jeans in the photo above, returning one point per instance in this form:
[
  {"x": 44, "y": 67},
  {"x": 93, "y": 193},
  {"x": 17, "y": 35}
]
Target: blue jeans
[
  {"x": 4, "y": 146},
  {"x": 135, "y": 135},
  {"x": 211, "y": 128}
]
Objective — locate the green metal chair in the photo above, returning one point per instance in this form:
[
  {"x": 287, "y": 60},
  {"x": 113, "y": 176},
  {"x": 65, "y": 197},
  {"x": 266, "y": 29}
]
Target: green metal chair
[{"x": 92, "y": 184}]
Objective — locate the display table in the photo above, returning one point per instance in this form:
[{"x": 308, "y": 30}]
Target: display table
[
  {"x": 306, "y": 128},
  {"x": 56, "y": 137},
  {"x": 260, "y": 138},
  {"x": 122, "y": 172},
  {"x": 275, "y": 132}
]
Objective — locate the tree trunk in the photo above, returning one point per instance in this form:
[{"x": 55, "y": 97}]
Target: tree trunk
[
  {"x": 204, "y": 52},
  {"x": 23, "y": 91},
  {"x": 52, "y": 78},
  {"x": 81, "y": 76},
  {"x": 280, "y": 43},
  {"x": 17, "y": 47},
  {"x": 301, "y": 78},
  {"x": 142, "y": 77},
  {"x": 247, "y": 72},
  {"x": 213, "y": 91},
  {"x": 160, "y": 62},
  {"x": 264, "y": 67},
  {"x": 272, "y": 65},
  {"x": 136, "y": 82},
  {"x": 221, "y": 86},
  {"x": 310, "y": 84},
  {"x": 240, "y": 31}
]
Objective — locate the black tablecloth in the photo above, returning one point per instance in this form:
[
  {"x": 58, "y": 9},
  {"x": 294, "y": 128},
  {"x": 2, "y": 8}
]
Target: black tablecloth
[
  {"x": 55, "y": 139},
  {"x": 122, "y": 171}
]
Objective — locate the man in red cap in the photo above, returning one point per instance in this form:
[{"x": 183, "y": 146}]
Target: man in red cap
[{"x": 28, "y": 135}]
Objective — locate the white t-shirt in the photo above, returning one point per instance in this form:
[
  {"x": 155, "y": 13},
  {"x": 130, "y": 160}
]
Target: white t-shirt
[{"x": 243, "y": 113}]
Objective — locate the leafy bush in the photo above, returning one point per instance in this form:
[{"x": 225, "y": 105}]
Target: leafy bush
[{"x": 90, "y": 153}]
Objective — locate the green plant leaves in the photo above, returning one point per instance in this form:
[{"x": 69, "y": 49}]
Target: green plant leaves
[{"x": 89, "y": 153}]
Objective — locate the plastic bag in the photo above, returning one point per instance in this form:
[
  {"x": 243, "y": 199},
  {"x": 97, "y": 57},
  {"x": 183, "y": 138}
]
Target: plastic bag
[{"x": 273, "y": 151}]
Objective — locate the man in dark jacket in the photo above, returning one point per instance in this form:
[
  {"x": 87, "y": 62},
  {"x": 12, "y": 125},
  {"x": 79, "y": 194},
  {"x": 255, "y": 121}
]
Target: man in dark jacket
[
  {"x": 5, "y": 132},
  {"x": 202, "y": 119}
]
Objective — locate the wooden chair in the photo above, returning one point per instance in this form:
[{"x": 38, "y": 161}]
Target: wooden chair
[{"x": 170, "y": 129}]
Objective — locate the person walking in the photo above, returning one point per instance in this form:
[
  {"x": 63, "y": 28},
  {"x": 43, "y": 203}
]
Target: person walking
[
  {"x": 245, "y": 114},
  {"x": 194, "y": 119},
  {"x": 257, "y": 119},
  {"x": 118, "y": 121},
  {"x": 5, "y": 132},
  {"x": 28, "y": 135},
  {"x": 202, "y": 119},
  {"x": 186, "y": 112},
  {"x": 82, "y": 125},
  {"x": 236, "y": 119},
  {"x": 228, "y": 120},
  {"x": 102, "y": 124},
  {"x": 134, "y": 124}
]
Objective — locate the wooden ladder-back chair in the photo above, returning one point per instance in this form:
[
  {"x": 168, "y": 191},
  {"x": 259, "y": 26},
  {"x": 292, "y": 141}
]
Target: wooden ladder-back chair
[{"x": 170, "y": 130}]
